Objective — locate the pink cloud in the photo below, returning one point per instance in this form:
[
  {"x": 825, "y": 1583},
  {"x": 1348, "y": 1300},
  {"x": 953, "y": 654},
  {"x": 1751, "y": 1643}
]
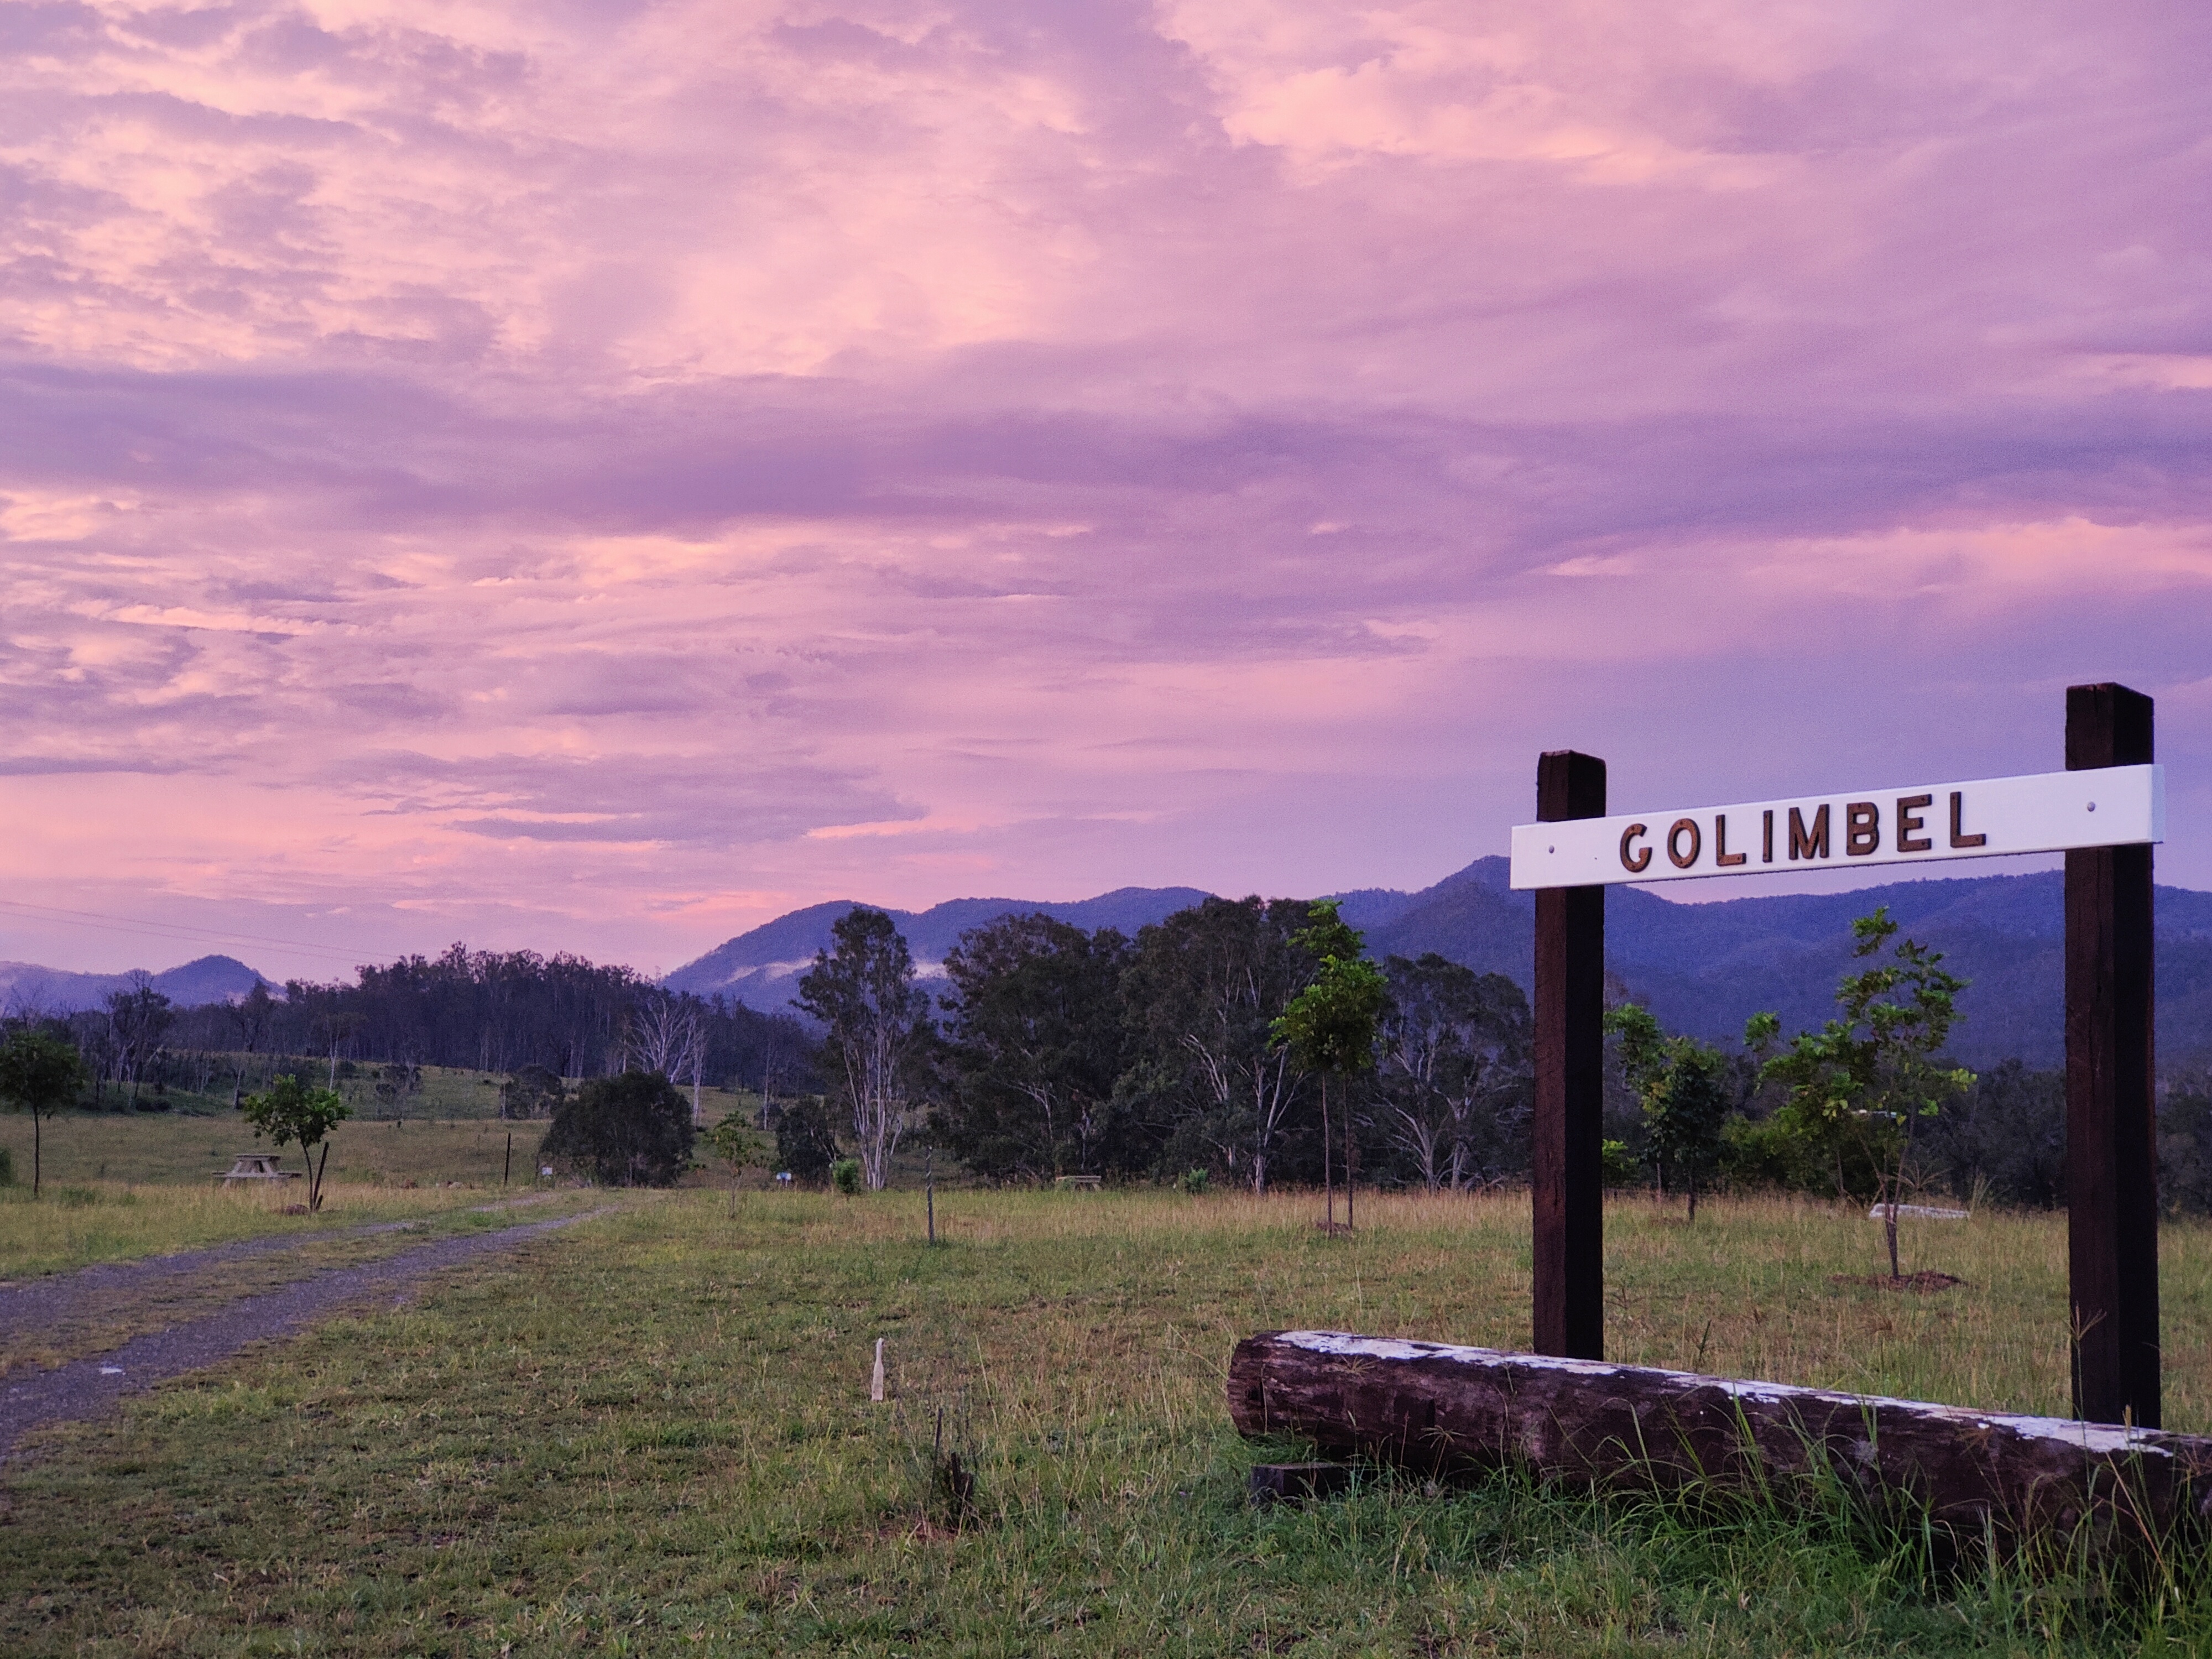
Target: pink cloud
[{"x": 597, "y": 476}]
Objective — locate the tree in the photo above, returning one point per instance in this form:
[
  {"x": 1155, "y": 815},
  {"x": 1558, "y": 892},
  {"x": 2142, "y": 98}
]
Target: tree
[
  {"x": 1453, "y": 1070},
  {"x": 1683, "y": 1085},
  {"x": 665, "y": 1036},
  {"x": 805, "y": 1145},
  {"x": 1201, "y": 996},
  {"x": 737, "y": 1147},
  {"x": 1035, "y": 1049},
  {"x": 1329, "y": 1026},
  {"x": 39, "y": 1074},
  {"x": 289, "y": 1110},
  {"x": 2006, "y": 1138},
  {"x": 1856, "y": 1085},
  {"x": 631, "y": 1130},
  {"x": 878, "y": 1020},
  {"x": 137, "y": 1019},
  {"x": 532, "y": 1091},
  {"x": 252, "y": 1015}
]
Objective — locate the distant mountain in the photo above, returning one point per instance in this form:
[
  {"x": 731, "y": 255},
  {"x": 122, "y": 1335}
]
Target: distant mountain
[
  {"x": 1705, "y": 968},
  {"x": 26, "y": 985},
  {"x": 761, "y": 968}
]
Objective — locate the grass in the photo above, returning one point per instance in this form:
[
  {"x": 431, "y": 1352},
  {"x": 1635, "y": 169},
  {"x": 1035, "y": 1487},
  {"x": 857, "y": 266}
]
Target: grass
[
  {"x": 121, "y": 1188},
  {"x": 203, "y": 1084},
  {"x": 102, "y": 1316},
  {"x": 651, "y": 1434},
  {"x": 169, "y": 1149}
]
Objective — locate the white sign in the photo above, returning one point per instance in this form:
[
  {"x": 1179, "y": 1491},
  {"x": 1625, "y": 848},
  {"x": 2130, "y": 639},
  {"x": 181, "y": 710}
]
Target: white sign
[{"x": 2050, "y": 812}]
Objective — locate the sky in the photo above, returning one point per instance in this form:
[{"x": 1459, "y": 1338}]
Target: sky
[{"x": 597, "y": 476}]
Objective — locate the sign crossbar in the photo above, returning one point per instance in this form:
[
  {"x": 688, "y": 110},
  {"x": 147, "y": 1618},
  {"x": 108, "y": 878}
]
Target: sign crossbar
[{"x": 1985, "y": 817}]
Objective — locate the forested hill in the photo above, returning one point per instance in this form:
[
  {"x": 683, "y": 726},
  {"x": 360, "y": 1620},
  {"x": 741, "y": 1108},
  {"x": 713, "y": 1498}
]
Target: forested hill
[
  {"x": 761, "y": 968},
  {"x": 1705, "y": 968}
]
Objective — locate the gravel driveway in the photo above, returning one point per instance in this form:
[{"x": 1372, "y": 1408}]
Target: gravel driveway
[{"x": 86, "y": 1387}]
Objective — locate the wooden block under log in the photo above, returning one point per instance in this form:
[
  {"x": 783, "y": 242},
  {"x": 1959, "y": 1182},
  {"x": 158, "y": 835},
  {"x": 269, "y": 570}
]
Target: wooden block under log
[
  {"x": 1437, "y": 1409},
  {"x": 1295, "y": 1483}
]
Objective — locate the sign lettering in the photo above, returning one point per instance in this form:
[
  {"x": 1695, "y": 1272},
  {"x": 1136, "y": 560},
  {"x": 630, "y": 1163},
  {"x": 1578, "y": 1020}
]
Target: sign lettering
[{"x": 2047, "y": 812}]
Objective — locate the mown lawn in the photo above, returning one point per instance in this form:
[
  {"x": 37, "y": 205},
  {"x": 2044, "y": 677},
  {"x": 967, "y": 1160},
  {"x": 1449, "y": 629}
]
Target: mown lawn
[{"x": 652, "y": 1434}]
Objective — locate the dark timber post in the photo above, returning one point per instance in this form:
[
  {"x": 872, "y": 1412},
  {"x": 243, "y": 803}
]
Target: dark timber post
[
  {"x": 2111, "y": 1147},
  {"x": 1570, "y": 1254}
]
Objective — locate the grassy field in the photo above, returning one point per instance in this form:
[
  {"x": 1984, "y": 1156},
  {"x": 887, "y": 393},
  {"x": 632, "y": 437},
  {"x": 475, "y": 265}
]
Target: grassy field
[
  {"x": 652, "y": 1434},
  {"x": 169, "y": 1149},
  {"x": 118, "y": 1187},
  {"x": 204, "y": 1085}
]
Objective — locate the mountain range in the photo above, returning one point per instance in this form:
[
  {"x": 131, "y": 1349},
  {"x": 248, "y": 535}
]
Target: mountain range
[
  {"x": 761, "y": 968},
  {"x": 26, "y": 985},
  {"x": 1704, "y": 969}
]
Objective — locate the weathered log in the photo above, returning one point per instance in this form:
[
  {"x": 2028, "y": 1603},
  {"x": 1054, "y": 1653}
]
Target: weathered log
[{"x": 1442, "y": 1410}]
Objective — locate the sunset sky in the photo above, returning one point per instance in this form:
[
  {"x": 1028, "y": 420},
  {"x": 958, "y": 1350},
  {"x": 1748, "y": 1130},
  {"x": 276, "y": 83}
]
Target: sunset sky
[{"x": 595, "y": 477}]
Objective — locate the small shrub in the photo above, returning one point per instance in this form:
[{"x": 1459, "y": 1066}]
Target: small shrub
[
  {"x": 77, "y": 1198},
  {"x": 1617, "y": 1165},
  {"x": 7, "y": 1168},
  {"x": 533, "y": 1091},
  {"x": 845, "y": 1175},
  {"x": 1195, "y": 1182},
  {"x": 1768, "y": 1154}
]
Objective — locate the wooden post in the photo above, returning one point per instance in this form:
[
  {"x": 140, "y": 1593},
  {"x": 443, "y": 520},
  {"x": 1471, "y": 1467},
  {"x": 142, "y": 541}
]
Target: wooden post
[
  {"x": 2111, "y": 1143},
  {"x": 1567, "y": 1161},
  {"x": 507, "y": 1169},
  {"x": 929, "y": 1189}
]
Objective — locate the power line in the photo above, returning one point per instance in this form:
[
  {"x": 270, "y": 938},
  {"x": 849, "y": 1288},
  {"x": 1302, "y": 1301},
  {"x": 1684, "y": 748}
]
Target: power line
[{"x": 182, "y": 933}]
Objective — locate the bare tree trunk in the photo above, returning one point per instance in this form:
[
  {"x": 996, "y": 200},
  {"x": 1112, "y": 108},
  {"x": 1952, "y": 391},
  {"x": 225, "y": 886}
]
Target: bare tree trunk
[
  {"x": 1328, "y": 1185},
  {"x": 1351, "y": 1164}
]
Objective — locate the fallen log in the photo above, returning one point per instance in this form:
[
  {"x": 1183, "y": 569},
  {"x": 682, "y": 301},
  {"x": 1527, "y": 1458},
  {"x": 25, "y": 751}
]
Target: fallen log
[{"x": 1441, "y": 1410}]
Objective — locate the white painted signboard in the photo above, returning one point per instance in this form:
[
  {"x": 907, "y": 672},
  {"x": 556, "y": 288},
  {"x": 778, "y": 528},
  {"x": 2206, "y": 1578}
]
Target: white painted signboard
[{"x": 2049, "y": 812}]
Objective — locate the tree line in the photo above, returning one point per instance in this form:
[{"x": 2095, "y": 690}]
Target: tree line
[
  {"x": 1047, "y": 1051},
  {"x": 1245, "y": 1040},
  {"x": 544, "y": 1021}
]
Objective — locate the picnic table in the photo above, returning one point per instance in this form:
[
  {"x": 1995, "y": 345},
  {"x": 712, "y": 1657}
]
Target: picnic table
[{"x": 259, "y": 1166}]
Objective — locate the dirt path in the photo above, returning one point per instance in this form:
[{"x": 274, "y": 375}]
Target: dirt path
[
  {"x": 30, "y": 1302},
  {"x": 41, "y": 1302},
  {"x": 85, "y": 1387}
]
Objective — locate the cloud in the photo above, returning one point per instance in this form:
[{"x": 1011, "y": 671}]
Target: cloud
[{"x": 610, "y": 472}]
